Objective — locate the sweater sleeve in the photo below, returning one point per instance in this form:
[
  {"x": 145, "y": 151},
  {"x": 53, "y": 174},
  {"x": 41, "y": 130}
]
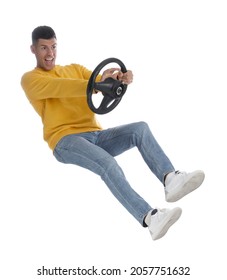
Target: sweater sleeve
[
  {"x": 63, "y": 82},
  {"x": 38, "y": 86}
]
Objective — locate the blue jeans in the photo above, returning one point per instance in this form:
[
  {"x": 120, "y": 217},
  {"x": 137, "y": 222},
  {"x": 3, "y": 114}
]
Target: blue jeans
[{"x": 96, "y": 151}]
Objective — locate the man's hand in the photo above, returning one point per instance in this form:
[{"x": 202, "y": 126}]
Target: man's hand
[
  {"x": 125, "y": 78},
  {"x": 116, "y": 74}
]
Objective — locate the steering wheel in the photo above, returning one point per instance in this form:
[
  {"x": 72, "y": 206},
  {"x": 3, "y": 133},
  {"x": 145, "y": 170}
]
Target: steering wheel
[{"x": 111, "y": 89}]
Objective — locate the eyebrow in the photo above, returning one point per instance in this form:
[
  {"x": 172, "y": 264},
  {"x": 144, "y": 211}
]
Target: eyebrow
[{"x": 43, "y": 45}]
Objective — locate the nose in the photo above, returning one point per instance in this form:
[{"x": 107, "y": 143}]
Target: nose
[{"x": 50, "y": 51}]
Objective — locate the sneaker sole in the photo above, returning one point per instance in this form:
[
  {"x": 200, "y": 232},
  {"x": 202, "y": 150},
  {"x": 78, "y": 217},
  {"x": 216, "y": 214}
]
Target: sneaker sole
[
  {"x": 173, "y": 216},
  {"x": 192, "y": 184}
]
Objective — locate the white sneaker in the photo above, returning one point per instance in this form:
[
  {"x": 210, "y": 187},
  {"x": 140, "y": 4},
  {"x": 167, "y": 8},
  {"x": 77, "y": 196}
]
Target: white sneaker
[
  {"x": 162, "y": 220},
  {"x": 178, "y": 184}
]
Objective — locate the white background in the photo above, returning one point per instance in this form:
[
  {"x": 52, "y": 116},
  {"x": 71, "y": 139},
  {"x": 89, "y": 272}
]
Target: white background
[{"x": 57, "y": 215}]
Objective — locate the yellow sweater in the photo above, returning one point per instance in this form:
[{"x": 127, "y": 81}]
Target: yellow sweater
[{"x": 59, "y": 97}]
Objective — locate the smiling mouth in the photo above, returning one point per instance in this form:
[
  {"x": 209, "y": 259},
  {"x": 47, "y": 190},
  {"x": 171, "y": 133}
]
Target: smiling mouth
[{"x": 49, "y": 60}]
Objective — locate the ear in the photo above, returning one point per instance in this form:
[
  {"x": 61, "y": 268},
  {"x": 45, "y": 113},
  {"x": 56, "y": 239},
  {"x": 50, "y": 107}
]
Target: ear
[{"x": 32, "y": 47}]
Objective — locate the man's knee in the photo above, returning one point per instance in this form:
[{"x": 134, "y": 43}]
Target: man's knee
[
  {"x": 143, "y": 125},
  {"x": 140, "y": 128}
]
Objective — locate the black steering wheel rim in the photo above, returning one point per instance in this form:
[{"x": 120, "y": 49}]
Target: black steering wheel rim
[{"x": 111, "y": 89}]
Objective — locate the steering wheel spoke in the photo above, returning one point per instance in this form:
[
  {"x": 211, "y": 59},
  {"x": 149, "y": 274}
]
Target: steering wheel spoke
[{"x": 107, "y": 101}]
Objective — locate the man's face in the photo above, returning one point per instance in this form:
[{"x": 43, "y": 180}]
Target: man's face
[{"x": 45, "y": 52}]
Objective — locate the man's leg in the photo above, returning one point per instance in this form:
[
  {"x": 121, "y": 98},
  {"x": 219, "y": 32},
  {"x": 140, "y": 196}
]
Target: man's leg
[
  {"x": 75, "y": 149},
  {"x": 119, "y": 139}
]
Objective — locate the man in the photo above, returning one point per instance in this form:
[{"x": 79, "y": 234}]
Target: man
[{"x": 58, "y": 94}]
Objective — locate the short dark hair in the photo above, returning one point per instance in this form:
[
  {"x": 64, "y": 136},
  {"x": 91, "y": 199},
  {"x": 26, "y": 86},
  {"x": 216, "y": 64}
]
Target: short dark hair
[{"x": 42, "y": 32}]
